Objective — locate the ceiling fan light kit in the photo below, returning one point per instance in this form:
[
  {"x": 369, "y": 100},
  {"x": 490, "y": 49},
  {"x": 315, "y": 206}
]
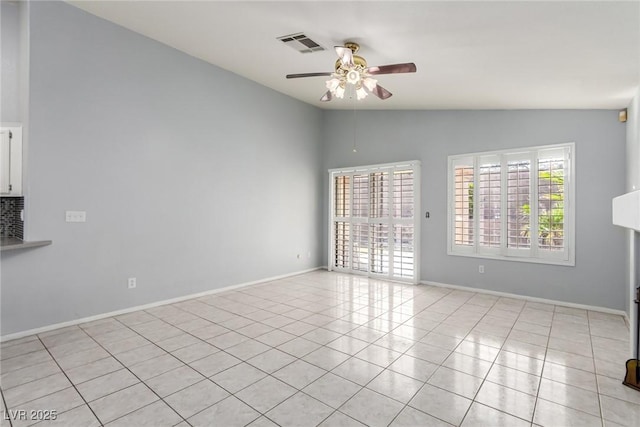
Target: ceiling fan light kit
[
  {"x": 353, "y": 77},
  {"x": 352, "y": 69}
]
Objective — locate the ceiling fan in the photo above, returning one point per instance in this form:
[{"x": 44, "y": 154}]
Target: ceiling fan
[{"x": 352, "y": 69}]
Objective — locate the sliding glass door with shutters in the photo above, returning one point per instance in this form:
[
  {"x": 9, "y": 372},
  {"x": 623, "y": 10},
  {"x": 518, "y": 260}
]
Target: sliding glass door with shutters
[{"x": 374, "y": 220}]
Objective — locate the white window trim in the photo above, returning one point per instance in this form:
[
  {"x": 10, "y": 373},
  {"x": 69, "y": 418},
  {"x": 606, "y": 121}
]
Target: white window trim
[
  {"x": 414, "y": 165},
  {"x": 566, "y": 257}
]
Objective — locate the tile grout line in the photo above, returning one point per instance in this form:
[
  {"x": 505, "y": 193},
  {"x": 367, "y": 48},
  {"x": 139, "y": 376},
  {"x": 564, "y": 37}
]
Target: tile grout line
[
  {"x": 70, "y": 382},
  {"x": 595, "y": 374},
  {"x": 544, "y": 365},
  {"x": 5, "y": 408}
]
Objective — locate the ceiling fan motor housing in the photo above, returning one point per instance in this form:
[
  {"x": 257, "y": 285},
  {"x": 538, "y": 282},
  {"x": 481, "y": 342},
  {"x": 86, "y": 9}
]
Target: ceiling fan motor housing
[{"x": 359, "y": 63}]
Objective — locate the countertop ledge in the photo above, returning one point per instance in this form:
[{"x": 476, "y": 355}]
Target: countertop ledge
[{"x": 12, "y": 243}]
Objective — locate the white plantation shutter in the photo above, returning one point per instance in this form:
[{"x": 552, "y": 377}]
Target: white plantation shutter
[
  {"x": 463, "y": 187},
  {"x": 341, "y": 226},
  {"x": 403, "y": 196},
  {"x": 342, "y": 196},
  {"x": 360, "y": 221},
  {"x": 404, "y": 251},
  {"x": 518, "y": 177},
  {"x": 513, "y": 205},
  {"x": 360, "y": 241},
  {"x": 361, "y": 196},
  {"x": 379, "y": 217},
  {"x": 379, "y": 194},
  {"x": 379, "y": 248},
  {"x": 488, "y": 197},
  {"x": 373, "y": 220},
  {"x": 403, "y": 230},
  {"x": 553, "y": 203},
  {"x": 341, "y": 244}
]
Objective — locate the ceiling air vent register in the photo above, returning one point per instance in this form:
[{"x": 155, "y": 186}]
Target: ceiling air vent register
[{"x": 301, "y": 42}]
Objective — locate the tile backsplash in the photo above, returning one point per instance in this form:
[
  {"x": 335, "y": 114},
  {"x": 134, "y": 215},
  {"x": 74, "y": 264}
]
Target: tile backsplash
[{"x": 11, "y": 224}]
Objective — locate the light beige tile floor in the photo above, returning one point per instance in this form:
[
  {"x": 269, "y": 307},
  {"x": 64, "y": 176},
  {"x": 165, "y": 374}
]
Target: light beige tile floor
[{"x": 327, "y": 349}]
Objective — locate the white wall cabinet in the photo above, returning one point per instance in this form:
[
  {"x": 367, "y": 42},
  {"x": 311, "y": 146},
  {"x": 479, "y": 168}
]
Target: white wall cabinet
[{"x": 11, "y": 161}]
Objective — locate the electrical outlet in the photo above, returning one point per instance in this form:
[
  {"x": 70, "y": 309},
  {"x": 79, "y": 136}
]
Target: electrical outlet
[
  {"x": 481, "y": 269},
  {"x": 76, "y": 216},
  {"x": 131, "y": 282}
]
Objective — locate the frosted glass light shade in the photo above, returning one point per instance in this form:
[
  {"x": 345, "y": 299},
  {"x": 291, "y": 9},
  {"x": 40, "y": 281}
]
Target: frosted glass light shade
[
  {"x": 332, "y": 84},
  {"x": 370, "y": 83}
]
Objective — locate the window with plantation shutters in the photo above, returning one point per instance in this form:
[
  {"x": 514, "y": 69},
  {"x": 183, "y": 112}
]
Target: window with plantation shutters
[
  {"x": 513, "y": 205},
  {"x": 374, "y": 226}
]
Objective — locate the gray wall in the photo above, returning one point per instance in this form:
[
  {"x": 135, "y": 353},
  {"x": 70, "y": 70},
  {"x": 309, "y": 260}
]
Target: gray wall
[
  {"x": 193, "y": 178},
  {"x": 430, "y": 136},
  {"x": 9, "y": 73}
]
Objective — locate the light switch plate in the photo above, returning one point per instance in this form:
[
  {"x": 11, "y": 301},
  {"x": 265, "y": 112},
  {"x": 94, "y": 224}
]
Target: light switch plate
[{"x": 76, "y": 216}]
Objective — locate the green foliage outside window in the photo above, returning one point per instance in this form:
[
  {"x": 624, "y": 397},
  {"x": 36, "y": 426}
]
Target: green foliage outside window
[{"x": 551, "y": 217}]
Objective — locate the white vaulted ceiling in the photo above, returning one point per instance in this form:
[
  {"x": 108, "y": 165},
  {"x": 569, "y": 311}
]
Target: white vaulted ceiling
[{"x": 469, "y": 55}]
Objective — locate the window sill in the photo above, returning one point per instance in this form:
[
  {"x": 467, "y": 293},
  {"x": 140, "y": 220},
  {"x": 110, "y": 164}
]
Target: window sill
[{"x": 564, "y": 263}]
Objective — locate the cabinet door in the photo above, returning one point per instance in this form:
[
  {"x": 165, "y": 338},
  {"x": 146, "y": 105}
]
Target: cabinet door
[
  {"x": 11, "y": 161},
  {"x": 5, "y": 162}
]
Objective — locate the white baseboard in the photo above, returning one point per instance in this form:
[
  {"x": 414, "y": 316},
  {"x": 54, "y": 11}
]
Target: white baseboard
[
  {"x": 528, "y": 298},
  {"x": 628, "y": 322},
  {"x": 48, "y": 328}
]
